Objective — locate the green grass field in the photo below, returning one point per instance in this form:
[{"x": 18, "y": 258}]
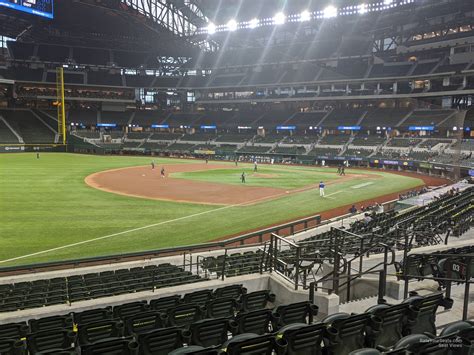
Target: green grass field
[{"x": 46, "y": 207}]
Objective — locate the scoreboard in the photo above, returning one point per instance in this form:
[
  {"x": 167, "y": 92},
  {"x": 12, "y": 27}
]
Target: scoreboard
[{"x": 42, "y": 8}]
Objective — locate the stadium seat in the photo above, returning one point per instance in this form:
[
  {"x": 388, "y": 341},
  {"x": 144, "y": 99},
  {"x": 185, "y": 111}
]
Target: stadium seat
[
  {"x": 12, "y": 347},
  {"x": 303, "y": 339},
  {"x": 93, "y": 315},
  {"x": 161, "y": 341},
  {"x": 211, "y": 332},
  {"x": 50, "y": 340},
  {"x": 90, "y": 333},
  {"x": 125, "y": 346},
  {"x": 144, "y": 321},
  {"x": 14, "y": 331},
  {"x": 199, "y": 297},
  {"x": 256, "y": 322},
  {"x": 164, "y": 303},
  {"x": 129, "y": 309},
  {"x": 185, "y": 314},
  {"x": 195, "y": 350},
  {"x": 394, "y": 319},
  {"x": 251, "y": 344},
  {"x": 221, "y": 307},
  {"x": 426, "y": 307},
  {"x": 349, "y": 331},
  {"x": 301, "y": 312},
  {"x": 234, "y": 291},
  {"x": 256, "y": 300},
  {"x": 54, "y": 322}
]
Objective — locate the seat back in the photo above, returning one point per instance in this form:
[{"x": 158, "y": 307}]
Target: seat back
[
  {"x": 159, "y": 341},
  {"x": 221, "y": 307},
  {"x": 12, "y": 347},
  {"x": 199, "y": 297},
  {"x": 351, "y": 331},
  {"x": 47, "y": 340},
  {"x": 426, "y": 307},
  {"x": 128, "y": 309},
  {"x": 303, "y": 339},
  {"x": 143, "y": 322},
  {"x": 164, "y": 303},
  {"x": 13, "y": 331},
  {"x": 251, "y": 344},
  {"x": 211, "y": 332},
  {"x": 93, "y": 315},
  {"x": 393, "y": 319},
  {"x": 184, "y": 314},
  {"x": 124, "y": 346},
  {"x": 296, "y": 313},
  {"x": 55, "y": 322},
  {"x": 233, "y": 291},
  {"x": 256, "y": 322},
  {"x": 89, "y": 333},
  {"x": 256, "y": 300}
]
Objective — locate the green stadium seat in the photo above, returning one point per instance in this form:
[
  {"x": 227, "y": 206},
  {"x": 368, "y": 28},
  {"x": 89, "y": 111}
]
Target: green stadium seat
[{"x": 89, "y": 333}]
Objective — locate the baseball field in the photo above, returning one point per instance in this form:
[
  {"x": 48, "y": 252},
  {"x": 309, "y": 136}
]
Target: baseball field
[{"x": 68, "y": 206}]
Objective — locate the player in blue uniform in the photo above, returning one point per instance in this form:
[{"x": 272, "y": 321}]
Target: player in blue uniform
[{"x": 321, "y": 189}]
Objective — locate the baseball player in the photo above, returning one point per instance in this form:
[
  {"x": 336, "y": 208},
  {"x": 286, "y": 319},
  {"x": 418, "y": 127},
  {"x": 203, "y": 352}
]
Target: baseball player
[{"x": 321, "y": 189}]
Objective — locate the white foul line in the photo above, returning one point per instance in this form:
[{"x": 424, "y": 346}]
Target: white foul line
[
  {"x": 334, "y": 193},
  {"x": 129, "y": 231}
]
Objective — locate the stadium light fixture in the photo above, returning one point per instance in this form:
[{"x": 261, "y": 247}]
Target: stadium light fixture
[
  {"x": 253, "y": 23},
  {"x": 211, "y": 28},
  {"x": 279, "y": 18},
  {"x": 330, "y": 12},
  {"x": 363, "y": 9},
  {"x": 387, "y": 2},
  {"x": 305, "y": 16},
  {"x": 232, "y": 25}
]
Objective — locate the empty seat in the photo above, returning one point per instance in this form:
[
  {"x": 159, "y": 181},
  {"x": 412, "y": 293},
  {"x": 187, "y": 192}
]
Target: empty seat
[
  {"x": 301, "y": 312},
  {"x": 50, "y": 340},
  {"x": 144, "y": 321},
  {"x": 93, "y": 315},
  {"x": 394, "y": 319},
  {"x": 89, "y": 333},
  {"x": 164, "y": 303},
  {"x": 426, "y": 311},
  {"x": 221, "y": 307},
  {"x": 251, "y": 344},
  {"x": 199, "y": 297},
  {"x": 13, "y": 331},
  {"x": 160, "y": 341},
  {"x": 256, "y": 300},
  {"x": 256, "y": 322},
  {"x": 303, "y": 339},
  {"x": 128, "y": 309},
  {"x": 124, "y": 346},
  {"x": 233, "y": 291},
  {"x": 185, "y": 314},
  {"x": 12, "y": 347},
  {"x": 211, "y": 332},
  {"x": 349, "y": 331},
  {"x": 55, "y": 322}
]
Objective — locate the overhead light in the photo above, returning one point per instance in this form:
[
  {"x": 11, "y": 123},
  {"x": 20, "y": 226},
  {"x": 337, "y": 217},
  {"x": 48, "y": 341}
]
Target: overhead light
[
  {"x": 279, "y": 18},
  {"x": 211, "y": 28},
  {"x": 253, "y": 23},
  {"x": 330, "y": 12},
  {"x": 232, "y": 25},
  {"x": 387, "y": 2},
  {"x": 305, "y": 16},
  {"x": 363, "y": 9}
]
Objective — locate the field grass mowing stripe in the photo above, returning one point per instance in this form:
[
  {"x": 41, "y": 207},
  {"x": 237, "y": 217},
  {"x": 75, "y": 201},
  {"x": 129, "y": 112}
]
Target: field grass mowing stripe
[{"x": 133, "y": 230}]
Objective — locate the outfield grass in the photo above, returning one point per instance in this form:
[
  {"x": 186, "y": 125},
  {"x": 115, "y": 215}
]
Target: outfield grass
[{"x": 45, "y": 204}]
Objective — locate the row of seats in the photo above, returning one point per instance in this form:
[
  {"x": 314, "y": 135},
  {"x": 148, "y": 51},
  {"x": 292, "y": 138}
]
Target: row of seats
[
  {"x": 25, "y": 295},
  {"x": 287, "y": 329}
]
